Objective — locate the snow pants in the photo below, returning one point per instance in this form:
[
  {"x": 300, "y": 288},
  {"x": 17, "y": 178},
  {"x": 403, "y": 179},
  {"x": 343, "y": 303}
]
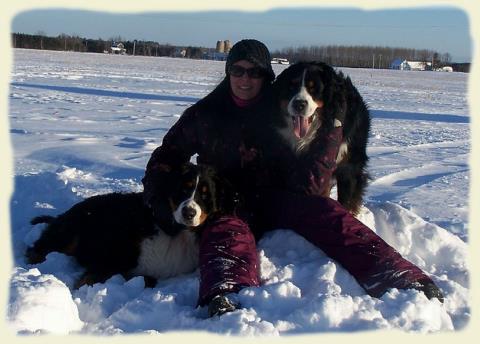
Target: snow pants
[
  {"x": 229, "y": 261},
  {"x": 228, "y": 258}
]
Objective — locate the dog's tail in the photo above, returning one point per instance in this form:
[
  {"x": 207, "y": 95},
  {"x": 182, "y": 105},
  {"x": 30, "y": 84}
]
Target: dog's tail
[{"x": 42, "y": 219}]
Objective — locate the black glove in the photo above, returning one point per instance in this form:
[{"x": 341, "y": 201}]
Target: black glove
[
  {"x": 221, "y": 304},
  {"x": 429, "y": 289}
]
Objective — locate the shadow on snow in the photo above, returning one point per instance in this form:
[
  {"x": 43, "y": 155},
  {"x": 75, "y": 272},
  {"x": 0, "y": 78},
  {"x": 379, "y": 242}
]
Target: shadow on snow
[
  {"x": 416, "y": 116},
  {"x": 108, "y": 93}
]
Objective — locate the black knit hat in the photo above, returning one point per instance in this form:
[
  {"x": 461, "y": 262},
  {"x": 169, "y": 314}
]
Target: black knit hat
[{"x": 254, "y": 52}]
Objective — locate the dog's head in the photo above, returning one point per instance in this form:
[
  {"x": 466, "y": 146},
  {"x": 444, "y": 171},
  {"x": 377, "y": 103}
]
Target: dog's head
[
  {"x": 310, "y": 93},
  {"x": 196, "y": 196},
  {"x": 187, "y": 195}
]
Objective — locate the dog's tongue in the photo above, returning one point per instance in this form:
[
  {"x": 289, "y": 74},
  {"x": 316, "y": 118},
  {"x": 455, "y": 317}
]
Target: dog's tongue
[{"x": 300, "y": 126}]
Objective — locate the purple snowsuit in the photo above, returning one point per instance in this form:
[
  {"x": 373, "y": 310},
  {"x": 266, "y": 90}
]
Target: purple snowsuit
[{"x": 218, "y": 131}]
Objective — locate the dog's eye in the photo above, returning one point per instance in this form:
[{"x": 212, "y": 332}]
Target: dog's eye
[
  {"x": 188, "y": 185},
  {"x": 204, "y": 192}
]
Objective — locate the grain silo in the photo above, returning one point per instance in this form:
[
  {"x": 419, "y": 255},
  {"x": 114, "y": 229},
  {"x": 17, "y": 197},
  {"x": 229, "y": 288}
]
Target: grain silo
[
  {"x": 220, "y": 46},
  {"x": 227, "y": 46}
]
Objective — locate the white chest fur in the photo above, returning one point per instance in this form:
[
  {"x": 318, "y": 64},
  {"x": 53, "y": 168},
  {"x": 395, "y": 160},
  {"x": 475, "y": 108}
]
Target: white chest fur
[
  {"x": 342, "y": 152},
  {"x": 163, "y": 256}
]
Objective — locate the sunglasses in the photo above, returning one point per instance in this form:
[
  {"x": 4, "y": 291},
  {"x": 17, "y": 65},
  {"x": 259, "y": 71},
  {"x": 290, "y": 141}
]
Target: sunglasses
[{"x": 239, "y": 71}]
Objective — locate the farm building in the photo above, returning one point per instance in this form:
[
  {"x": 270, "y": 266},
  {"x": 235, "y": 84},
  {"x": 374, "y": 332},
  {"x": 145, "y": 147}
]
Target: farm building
[
  {"x": 117, "y": 48},
  {"x": 445, "y": 69},
  {"x": 401, "y": 64}
]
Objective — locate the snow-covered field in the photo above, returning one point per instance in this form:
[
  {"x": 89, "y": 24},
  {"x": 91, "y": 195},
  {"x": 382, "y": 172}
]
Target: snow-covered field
[{"x": 86, "y": 124}]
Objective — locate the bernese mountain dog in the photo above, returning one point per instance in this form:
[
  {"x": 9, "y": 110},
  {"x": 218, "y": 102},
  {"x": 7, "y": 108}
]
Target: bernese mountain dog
[
  {"x": 117, "y": 233},
  {"x": 311, "y": 94}
]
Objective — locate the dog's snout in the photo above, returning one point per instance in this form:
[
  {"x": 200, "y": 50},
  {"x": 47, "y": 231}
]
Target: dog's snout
[
  {"x": 299, "y": 105},
  {"x": 188, "y": 213}
]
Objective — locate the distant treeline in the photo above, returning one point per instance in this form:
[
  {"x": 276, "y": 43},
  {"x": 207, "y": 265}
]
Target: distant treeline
[
  {"x": 336, "y": 55},
  {"x": 362, "y": 56},
  {"x": 76, "y": 43}
]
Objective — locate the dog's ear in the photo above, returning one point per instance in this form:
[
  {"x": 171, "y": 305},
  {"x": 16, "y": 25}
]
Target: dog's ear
[
  {"x": 157, "y": 186},
  {"x": 335, "y": 97},
  {"x": 278, "y": 86}
]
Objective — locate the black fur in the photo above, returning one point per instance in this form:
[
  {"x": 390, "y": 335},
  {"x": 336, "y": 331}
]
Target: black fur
[
  {"x": 104, "y": 233},
  {"x": 340, "y": 100}
]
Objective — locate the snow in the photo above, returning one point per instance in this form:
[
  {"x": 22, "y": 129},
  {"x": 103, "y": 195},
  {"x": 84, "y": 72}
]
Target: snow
[
  {"x": 33, "y": 295},
  {"x": 86, "y": 124}
]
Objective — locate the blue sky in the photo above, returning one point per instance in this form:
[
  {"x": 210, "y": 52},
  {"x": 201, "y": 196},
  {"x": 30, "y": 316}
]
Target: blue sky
[{"x": 443, "y": 29}]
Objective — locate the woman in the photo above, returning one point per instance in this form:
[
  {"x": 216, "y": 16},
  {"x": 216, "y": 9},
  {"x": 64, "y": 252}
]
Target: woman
[{"x": 227, "y": 129}]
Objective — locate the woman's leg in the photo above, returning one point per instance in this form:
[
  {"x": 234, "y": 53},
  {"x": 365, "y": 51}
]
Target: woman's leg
[
  {"x": 325, "y": 223},
  {"x": 228, "y": 258}
]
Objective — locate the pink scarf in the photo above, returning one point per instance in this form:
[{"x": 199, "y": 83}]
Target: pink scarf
[{"x": 242, "y": 103}]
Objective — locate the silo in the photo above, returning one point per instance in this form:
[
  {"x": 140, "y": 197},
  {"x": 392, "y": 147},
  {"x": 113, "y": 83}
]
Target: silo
[
  {"x": 227, "y": 46},
  {"x": 220, "y": 46}
]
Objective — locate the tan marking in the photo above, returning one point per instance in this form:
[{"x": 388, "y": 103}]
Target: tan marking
[
  {"x": 284, "y": 104},
  {"x": 203, "y": 217},
  {"x": 163, "y": 167}
]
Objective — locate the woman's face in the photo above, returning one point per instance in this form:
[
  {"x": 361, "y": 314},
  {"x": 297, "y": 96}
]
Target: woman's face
[{"x": 244, "y": 86}]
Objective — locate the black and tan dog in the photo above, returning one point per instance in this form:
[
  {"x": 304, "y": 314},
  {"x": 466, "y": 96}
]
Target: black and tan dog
[
  {"x": 312, "y": 94},
  {"x": 118, "y": 234}
]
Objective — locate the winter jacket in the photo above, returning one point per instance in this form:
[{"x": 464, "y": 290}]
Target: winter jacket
[{"x": 232, "y": 139}]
